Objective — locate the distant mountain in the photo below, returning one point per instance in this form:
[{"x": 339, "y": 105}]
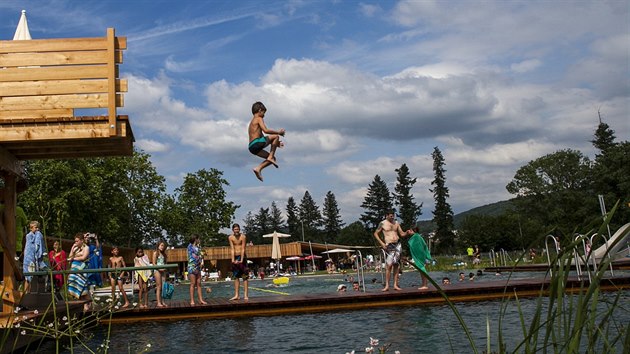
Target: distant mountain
[{"x": 493, "y": 209}]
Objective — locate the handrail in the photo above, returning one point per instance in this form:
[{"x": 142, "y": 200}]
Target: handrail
[
  {"x": 100, "y": 270},
  {"x": 557, "y": 248},
  {"x": 493, "y": 258},
  {"x": 360, "y": 270},
  {"x": 607, "y": 252},
  {"x": 578, "y": 261}
]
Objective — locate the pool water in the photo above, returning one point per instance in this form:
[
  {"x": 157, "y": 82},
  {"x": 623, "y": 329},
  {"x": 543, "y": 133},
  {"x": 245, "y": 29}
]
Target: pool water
[{"x": 410, "y": 329}]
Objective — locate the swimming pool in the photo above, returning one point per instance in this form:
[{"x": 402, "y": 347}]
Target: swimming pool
[{"x": 409, "y": 329}]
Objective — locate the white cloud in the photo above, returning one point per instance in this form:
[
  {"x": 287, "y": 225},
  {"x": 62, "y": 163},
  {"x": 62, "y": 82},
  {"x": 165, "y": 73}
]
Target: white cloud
[
  {"x": 525, "y": 65},
  {"x": 152, "y": 146},
  {"x": 369, "y": 10}
]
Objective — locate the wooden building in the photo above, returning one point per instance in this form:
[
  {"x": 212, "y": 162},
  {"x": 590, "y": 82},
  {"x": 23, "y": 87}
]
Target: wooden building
[{"x": 45, "y": 87}]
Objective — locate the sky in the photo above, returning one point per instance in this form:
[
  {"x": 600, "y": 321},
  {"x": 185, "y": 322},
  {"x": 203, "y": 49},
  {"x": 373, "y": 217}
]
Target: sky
[{"x": 361, "y": 87}]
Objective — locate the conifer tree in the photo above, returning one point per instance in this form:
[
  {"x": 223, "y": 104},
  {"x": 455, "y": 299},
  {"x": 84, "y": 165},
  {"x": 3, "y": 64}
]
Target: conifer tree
[
  {"x": 407, "y": 208},
  {"x": 604, "y": 136},
  {"x": 443, "y": 214},
  {"x": 310, "y": 216},
  {"x": 275, "y": 218},
  {"x": 376, "y": 203},
  {"x": 293, "y": 220},
  {"x": 331, "y": 217}
]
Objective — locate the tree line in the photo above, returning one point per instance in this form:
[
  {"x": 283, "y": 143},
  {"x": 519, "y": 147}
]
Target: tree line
[{"x": 124, "y": 200}]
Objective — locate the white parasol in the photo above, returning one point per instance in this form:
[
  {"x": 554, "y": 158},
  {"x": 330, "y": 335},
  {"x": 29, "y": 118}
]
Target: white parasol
[
  {"x": 21, "y": 32},
  {"x": 276, "y": 253}
]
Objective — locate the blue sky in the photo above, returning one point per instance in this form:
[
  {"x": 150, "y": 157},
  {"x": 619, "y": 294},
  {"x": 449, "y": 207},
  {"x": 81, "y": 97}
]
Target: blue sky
[{"x": 360, "y": 87}]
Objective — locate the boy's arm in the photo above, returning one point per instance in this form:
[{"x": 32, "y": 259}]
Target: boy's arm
[
  {"x": 376, "y": 235},
  {"x": 244, "y": 244},
  {"x": 231, "y": 248},
  {"x": 263, "y": 127}
]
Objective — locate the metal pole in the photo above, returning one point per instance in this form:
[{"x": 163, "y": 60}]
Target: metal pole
[
  {"x": 302, "y": 230},
  {"x": 312, "y": 257}
]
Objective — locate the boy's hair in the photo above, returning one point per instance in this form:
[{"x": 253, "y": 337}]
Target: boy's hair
[
  {"x": 390, "y": 211},
  {"x": 257, "y": 107},
  {"x": 34, "y": 222},
  {"x": 235, "y": 225}
]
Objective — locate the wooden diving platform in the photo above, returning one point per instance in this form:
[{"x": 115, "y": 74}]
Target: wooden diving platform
[{"x": 351, "y": 300}]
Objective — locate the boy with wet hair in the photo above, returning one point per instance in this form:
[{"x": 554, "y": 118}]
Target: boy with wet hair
[
  {"x": 238, "y": 243},
  {"x": 258, "y": 141}
]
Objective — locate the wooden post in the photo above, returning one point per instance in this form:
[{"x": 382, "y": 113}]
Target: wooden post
[
  {"x": 10, "y": 296},
  {"x": 111, "y": 80}
]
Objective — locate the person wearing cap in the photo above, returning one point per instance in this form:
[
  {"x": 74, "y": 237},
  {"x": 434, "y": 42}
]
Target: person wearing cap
[{"x": 341, "y": 288}]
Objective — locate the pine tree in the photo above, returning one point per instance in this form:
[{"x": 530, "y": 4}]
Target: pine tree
[
  {"x": 251, "y": 229},
  {"x": 376, "y": 203},
  {"x": 407, "y": 208},
  {"x": 275, "y": 218},
  {"x": 332, "y": 219},
  {"x": 604, "y": 136},
  {"x": 263, "y": 221},
  {"x": 310, "y": 217},
  {"x": 293, "y": 220},
  {"x": 443, "y": 214}
]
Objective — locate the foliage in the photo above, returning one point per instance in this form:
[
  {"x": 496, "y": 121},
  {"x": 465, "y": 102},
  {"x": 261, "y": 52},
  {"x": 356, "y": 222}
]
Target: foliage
[
  {"x": 311, "y": 217},
  {"x": 293, "y": 222},
  {"x": 331, "y": 218},
  {"x": 275, "y": 218},
  {"x": 355, "y": 234},
  {"x": 612, "y": 179},
  {"x": 443, "y": 214},
  {"x": 119, "y": 198},
  {"x": 376, "y": 203},
  {"x": 408, "y": 210},
  {"x": 202, "y": 200},
  {"x": 554, "y": 189}
]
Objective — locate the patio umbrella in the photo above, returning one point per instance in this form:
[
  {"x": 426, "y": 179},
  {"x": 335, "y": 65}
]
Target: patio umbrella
[
  {"x": 22, "y": 32},
  {"x": 313, "y": 256},
  {"x": 276, "y": 253}
]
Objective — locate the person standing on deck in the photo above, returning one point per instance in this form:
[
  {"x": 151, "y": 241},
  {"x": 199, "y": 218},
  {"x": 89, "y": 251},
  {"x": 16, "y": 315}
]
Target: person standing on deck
[
  {"x": 77, "y": 282},
  {"x": 391, "y": 244},
  {"x": 195, "y": 263},
  {"x": 34, "y": 251},
  {"x": 238, "y": 243}
]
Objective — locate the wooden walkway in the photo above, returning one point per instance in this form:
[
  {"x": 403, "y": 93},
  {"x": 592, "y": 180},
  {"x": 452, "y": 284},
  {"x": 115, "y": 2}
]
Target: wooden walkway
[{"x": 293, "y": 304}]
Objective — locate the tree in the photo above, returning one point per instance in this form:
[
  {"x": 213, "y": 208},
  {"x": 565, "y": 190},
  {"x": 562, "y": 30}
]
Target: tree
[
  {"x": 407, "y": 208},
  {"x": 612, "y": 180},
  {"x": 202, "y": 198},
  {"x": 443, "y": 214},
  {"x": 249, "y": 226},
  {"x": 293, "y": 222},
  {"x": 355, "y": 234},
  {"x": 331, "y": 218},
  {"x": 119, "y": 198},
  {"x": 262, "y": 220},
  {"x": 554, "y": 189},
  {"x": 275, "y": 218},
  {"x": 376, "y": 203},
  {"x": 310, "y": 216},
  {"x": 604, "y": 136}
]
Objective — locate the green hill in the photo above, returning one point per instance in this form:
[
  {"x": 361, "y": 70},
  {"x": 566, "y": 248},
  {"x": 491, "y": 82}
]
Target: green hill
[{"x": 493, "y": 209}]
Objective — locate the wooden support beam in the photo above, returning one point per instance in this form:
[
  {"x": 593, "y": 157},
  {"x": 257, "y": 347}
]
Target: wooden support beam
[
  {"x": 111, "y": 80},
  {"x": 11, "y": 271},
  {"x": 9, "y": 163}
]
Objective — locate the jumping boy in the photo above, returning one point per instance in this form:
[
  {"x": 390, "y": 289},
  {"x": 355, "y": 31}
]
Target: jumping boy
[
  {"x": 258, "y": 141},
  {"x": 116, "y": 261},
  {"x": 238, "y": 242}
]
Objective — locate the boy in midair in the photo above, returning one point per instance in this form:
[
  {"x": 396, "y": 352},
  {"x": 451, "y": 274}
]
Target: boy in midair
[{"x": 258, "y": 141}]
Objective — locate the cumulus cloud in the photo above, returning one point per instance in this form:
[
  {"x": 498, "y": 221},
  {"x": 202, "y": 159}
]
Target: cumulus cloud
[{"x": 151, "y": 146}]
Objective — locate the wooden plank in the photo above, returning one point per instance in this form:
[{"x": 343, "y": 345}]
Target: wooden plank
[
  {"x": 54, "y": 73},
  {"x": 59, "y": 87},
  {"x": 56, "y": 58},
  {"x": 111, "y": 80},
  {"x": 55, "y": 132},
  {"x": 58, "y": 101},
  {"x": 60, "y": 45},
  {"x": 35, "y": 114}
]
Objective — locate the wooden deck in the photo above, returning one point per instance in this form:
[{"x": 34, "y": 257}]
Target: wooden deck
[{"x": 294, "y": 304}]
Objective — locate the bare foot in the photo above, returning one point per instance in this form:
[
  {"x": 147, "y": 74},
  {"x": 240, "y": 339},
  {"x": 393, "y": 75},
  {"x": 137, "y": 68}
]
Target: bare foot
[
  {"x": 192, "y": 303},
  {"x": 234, "y": 298},
  {"x": 273, "y": 162},
  {"x": 258, "y": 175},
  {"x": 385, "y": 289},
  {"x": 203, "y": 302},
  {"x": 125, "y": 305},
  {"x": 397, "y": 288},
  {"x": 143, "y": 306},
  {"x": 161, "y": 305},
  {"x": 245, "y": 298},
  {"x": 423, "y": 288}
]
